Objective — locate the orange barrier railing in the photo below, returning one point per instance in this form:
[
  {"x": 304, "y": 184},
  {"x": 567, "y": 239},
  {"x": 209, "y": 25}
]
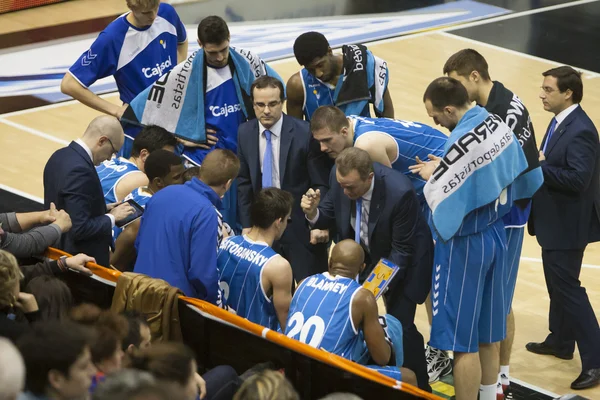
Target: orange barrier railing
[{"x": 270, "y": 335}]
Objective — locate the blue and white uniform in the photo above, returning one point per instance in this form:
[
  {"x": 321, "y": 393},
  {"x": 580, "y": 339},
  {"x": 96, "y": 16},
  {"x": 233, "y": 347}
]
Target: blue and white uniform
[
  {"x": 241, "y": 263},
  {"x": 111, "y": 172},
  {"x": 140, "y": 196},
  {"x": 136, "y": 57}
]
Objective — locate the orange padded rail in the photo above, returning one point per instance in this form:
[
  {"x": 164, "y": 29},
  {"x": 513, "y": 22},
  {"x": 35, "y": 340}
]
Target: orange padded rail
[{"x": 268, "y": 334}]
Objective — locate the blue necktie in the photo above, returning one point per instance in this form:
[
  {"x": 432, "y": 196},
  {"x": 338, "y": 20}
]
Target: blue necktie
[
  {"x": 267, "y": 176},
  {"x": 550, "y": 132},
  {"x": 358, "y": 220}
]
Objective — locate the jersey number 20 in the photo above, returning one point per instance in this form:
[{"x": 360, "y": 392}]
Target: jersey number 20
[{"x": 298, "y": 326}]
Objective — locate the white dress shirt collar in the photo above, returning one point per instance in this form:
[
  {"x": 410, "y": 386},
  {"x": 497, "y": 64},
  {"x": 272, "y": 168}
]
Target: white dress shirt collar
[
  {"x": 275, "y": 129},
  {"x": 86, "y": 148},
  {"x": 367, "y": 196},
  {"x": 561, "y": 116}
]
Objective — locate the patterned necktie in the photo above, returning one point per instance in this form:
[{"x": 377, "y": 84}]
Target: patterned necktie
[
  {"x": 550, "y": 132},
  {"x": 267, "y": 176}
]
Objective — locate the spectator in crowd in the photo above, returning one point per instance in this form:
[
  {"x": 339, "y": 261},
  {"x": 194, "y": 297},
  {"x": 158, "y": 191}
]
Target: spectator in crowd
[
  {"x": 131, "y": 384},
  {"x": 12, "y": 371},
  {"x": 53, "y": 297},
  {"x": 138, "y": 336},
  {"x": 267, "y": 384}
]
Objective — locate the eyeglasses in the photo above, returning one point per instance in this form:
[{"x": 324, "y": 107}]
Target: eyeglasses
[
  {"x": 114, "y": 151},
  {"x": 272, "y": 104},
  {"x": 548, "y": 90}
]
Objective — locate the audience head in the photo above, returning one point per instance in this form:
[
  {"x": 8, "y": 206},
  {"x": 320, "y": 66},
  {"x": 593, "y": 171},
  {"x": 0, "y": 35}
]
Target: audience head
[
  {"x": 213, "y": 37},
  {"x": 130, "y": 384},
  {"x": 446, "y": 101},
  {"x": 347, "y": 259},
  {"x": 107, "y": 331},
  {"x": 150, "y": 139},
  {"x": 191, "y": 173},
  {"x": 139, "y": 335},
  {"x": 469, "y": 68},
  {"x": 163, "y": 168},
  {"x": 341, "y": 396},
  {"x": 173, "y": 366},
  {"x": 354, "y": 172},
  {"x": 10, "y": 278},
  {"x": 313, "y": 52},
  {"x": 331, "y": 128},
  {"x": 12, "y": 370},
  {"x": 268, "y": 96},
  {"x": 271, "y": 209},
  {"x": 57, "y": 360},
  {"x": 219, "y": 169},
  {"x": 53, "y": 297},
  {"x": 267, "y": 385},
  {"x": 562, "y": 87},
  {"x": 104, "y": 136},
  {"x": 144, "y": 11}
]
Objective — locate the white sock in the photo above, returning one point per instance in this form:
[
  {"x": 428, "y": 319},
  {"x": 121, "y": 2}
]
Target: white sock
[
  {"x": 505, "y": 377},
  {"x": 487, "y": 392}
]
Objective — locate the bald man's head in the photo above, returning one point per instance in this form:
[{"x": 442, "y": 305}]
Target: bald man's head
[
  {"x": 347, "y": 258},
  {"x": 104, "y": 136}
]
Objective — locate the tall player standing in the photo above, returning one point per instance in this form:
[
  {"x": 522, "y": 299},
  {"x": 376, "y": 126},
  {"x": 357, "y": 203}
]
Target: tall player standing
[{"x": 136, "y": 49}]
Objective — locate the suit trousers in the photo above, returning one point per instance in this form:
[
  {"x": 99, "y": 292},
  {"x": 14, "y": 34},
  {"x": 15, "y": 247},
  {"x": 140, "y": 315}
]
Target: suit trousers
[{"x": 571, "y": 317}]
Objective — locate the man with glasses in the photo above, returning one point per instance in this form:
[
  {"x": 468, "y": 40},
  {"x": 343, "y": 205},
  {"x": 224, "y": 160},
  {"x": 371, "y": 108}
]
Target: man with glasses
[
  {"x": 276, "y": 150},
  {"x": 72, "y": 184}
]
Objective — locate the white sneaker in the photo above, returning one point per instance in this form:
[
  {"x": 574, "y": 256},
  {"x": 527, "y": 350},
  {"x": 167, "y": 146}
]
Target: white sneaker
[{"x": 438, "y": 364}]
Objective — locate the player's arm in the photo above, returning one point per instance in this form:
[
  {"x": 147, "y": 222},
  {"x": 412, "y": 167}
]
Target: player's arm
[
  {"x": 376, "y": 145},
  {"x": 365, "y": 315},
  {"x": 278, "y": 275},
  {"x": 388, "y": 105},
  {"x": 295, "y": 96},
  {"x": 72, "y": 87},
  {"x": 182, "y": 51},
  {"x": 129, "y": 183},
  {"x": 124, "y": 256}
]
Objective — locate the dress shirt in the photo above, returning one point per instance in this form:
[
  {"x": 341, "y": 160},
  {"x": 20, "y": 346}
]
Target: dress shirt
[{"x": 560, "y": 117}]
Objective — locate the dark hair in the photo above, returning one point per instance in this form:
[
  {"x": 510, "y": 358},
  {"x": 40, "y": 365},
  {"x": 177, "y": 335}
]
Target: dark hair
[
  {"x": 444, "y": 91},
  {"x": 169, "y": 361},
  {"x": 310, "y": 45},
  {"x": 129, "y": 384},
  {"x": 329, "y": 117},
  {"x": 213, "y": 30},
  {"x": 219, "y": 166},
  {"x": 191, "y": 173},
  {"x": 267, "y": 384},
  {"x": 151, "y": 138},
  {"x": 53, "y": 297},
  {"x": 567, "y": 78},
  {"x": 266, "y": 81},
  {"x": 135, "y": 321},
  {"x": 269, "y": 205},
  {"x": 52, "y": 345},
  {"x": 159, "y": 163},
  {"x": 107, "y": 328},
  {"x": 466, "y": 61},
  {"x": 354, "y": 158}
]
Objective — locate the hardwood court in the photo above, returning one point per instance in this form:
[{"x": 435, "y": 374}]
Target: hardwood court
[{"x": 29, "y": 137}]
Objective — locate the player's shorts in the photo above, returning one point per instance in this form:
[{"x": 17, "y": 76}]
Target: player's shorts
[
  {"x": 514, "y": 238},
  {"x": 468, "y": 289}
]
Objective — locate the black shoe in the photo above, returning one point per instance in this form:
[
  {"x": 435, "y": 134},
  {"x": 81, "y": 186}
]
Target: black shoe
[
  {"x": 543, "y": 348},
  {"x": 587, "y": 379}
]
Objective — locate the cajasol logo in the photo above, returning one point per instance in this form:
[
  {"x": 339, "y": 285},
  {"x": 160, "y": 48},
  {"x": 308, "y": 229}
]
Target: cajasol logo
[
  {"x": 225, "y": 109},
  {"x": 158, "y": 70}
]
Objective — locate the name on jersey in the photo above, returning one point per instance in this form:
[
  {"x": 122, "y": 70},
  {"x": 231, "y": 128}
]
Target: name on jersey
[
  {"x": 244, "y": 253},
  {"x": 327, "y": 286},
  {"x": 225, "y": 110},
  {"x": 358, "y": 58},
  {"x": 514, "y": 114},
  {"x": 158, "y": 69}
]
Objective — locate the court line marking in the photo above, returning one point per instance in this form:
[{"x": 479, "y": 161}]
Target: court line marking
[
  {"x": 587, "y": 73},
  {"x": 34, "y": 132},
  {"x": 21, "y": 193},
  {"x": 539, "y": 260},
  {"x": 533, "y": 387}
]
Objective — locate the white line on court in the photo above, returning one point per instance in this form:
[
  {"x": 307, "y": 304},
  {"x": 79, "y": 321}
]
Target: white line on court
[
  {"x": 539, "y": 260},
  {"x": 34, "y": 131},
  {"x": 22, "y": 194}
]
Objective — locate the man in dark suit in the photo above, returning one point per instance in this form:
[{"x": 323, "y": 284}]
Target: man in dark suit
[
  {"x": 72, "y": 184},
  {"x": 391, "y": 226},
  {"x": 278, "y": 150},
  {"x": 565, "y": 217}
]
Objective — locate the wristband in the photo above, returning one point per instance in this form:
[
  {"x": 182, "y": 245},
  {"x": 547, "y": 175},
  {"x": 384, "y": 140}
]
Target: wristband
[{"x": 62, "y": 263}]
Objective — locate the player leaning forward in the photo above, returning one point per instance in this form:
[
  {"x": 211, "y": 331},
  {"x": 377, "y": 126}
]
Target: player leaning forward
[{"x": 469, "y": 190}]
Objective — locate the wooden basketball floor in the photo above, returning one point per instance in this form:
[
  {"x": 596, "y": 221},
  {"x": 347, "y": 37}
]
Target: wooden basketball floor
[{"x": 28, "y": 138}]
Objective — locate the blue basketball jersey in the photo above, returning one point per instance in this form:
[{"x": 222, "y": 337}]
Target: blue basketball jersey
[
  {"x": 321, "y": 314},
  {"x": 413, "y": 139},
  {"x": 111, "y": 172},
  {"x": 136, "y": 57},
  {"x": 241, "y": 262},
  {"x": 139, "y": 196},
  {"x": 317, "y": 94},
  {"x": 223, "y": 113}
]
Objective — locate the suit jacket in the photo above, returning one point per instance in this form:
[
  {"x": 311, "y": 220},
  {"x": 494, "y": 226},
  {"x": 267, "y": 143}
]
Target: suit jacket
[
  {"x": 565, "y": 212},
  {"x": 71, "y": 182},
  {"x": 397, "y": 231},
  {"x": 302, "y": 165}
]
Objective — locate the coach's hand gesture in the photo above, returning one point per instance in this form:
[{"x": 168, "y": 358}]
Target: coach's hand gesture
[
  {"x": 310, "y": 202},
  {"x": 122, "y": 211}
]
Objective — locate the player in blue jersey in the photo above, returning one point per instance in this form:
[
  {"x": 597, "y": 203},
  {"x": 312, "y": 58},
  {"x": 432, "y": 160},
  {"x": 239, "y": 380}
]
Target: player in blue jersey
[
  {"x": 136, "y": 49},
  {"x": 393, "y": 143},
  {"x": 162, "y": 168},
  {"x": 256, "y": 281},
  {"x": 119, "y": 176},
  {"x": 351, "y": 80},
  {"x": 333, "y": 312}
]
